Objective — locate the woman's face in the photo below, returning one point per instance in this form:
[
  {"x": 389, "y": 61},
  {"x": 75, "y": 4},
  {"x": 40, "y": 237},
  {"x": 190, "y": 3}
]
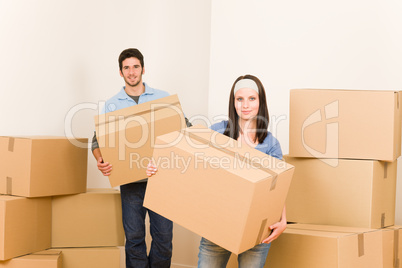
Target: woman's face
[{"x": 247, "y": 103}]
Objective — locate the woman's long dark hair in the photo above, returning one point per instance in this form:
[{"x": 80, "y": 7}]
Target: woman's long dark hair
[{"x": 233, "y": 128}]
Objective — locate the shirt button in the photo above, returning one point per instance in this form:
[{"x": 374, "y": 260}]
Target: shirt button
[{"x": 112, "y": 107}]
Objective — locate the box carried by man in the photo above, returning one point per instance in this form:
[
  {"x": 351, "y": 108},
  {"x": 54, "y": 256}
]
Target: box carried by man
[{"x": 126, "y": 136}]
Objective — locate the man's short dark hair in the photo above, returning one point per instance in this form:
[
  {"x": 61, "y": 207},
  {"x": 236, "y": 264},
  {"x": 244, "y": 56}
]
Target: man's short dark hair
[{"x": 130, "y": 53}]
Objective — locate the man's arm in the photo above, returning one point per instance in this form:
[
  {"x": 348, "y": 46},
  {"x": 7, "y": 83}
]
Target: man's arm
[{"x": 104, "y": 167}]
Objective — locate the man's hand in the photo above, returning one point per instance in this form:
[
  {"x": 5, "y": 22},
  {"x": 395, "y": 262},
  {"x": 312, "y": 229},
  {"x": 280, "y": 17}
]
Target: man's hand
[{"x": 105, "y": 168}]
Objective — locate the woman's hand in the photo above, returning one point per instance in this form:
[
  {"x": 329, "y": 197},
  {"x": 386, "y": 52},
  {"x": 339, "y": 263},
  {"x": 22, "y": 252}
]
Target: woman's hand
[
  {"x": 151, "y": 169},
  {"x": 277, "y": 228}
]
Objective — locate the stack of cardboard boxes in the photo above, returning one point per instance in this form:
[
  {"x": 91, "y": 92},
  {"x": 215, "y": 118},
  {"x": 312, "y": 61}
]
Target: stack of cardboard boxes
[
  {"x": 88, "y": 229},
  {"x": 48, "y": 218},
  {"x": 344, "y": 145},
  {"x": 45, "y": 205}
]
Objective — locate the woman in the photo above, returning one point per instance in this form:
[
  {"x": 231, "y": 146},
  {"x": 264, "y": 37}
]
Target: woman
[{"x": 248, "y": 123}]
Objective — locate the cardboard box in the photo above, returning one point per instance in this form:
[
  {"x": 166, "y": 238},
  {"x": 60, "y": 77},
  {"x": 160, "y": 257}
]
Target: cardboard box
[
  {"x": 25, "y": 225},
  {"x": 392, "y": 246},
  {"x": 315, "y": 246},
  {"x": 126, "y": 137},
  {"x": 388, "y": 248},
  {"x": 356, "y": 193},
  {"x": 102, "y": 257},
  {"x": 122, "y": 250},
  {"x": 42, "y": 166},
  {"x": 357, "y": 124},
  {"x": 90, "y": 219},
  {"x": 44, "y": 259},
  {"x": 226, "y": 193}
]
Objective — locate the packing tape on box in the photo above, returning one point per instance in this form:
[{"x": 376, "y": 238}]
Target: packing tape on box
[
  {"x": 9, "y": 185},
  {"x": 235, "y": 154},
  {"x": 396, "y": 248},
  {"x": 11, "y": 141},
  {"x": 360, "y": 242},
  {"x": 261, "y": 232},
  {"x": 385, "y": 170}
]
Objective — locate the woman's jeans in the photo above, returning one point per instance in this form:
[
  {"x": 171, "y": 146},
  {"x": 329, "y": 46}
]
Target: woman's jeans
[
  {"x": 214, "y": 256},
  {"x": 132, "y": 197}
]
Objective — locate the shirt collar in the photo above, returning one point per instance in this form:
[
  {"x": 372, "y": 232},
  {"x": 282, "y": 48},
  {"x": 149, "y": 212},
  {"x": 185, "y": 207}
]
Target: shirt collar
[
  {"x": 122, "y": 95},
  {"x": 148, "y": 90}
]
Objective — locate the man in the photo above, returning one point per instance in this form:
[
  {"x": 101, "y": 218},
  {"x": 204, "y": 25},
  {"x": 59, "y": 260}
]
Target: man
[{"x": 131, "y": 64}]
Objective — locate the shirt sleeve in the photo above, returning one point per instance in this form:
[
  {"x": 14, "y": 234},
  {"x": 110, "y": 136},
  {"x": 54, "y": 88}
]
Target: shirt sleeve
[
  {"x": 219, "y": 127},
  {"x": 188, "y": 123},
  {"x": 275, "y": 150},
  {"x": 95, "y": 144}
]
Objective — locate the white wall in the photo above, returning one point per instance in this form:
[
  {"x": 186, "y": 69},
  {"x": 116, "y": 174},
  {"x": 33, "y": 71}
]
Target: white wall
[
  {"x": 59, "y": 60},
  {"x": 297, "y": 44}
]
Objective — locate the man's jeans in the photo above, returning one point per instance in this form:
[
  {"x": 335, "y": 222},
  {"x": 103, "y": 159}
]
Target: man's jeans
[
  {"x": 132, "y": 197},
  {"x": 214, "y": 256}
]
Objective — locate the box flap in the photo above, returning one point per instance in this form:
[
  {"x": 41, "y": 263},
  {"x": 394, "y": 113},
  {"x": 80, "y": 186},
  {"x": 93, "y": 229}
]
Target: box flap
[
  {"x": 48, "y": 252},
  {"x": 243, "y": 156},
  {"x": 44, "y": 137},
  {"x": 362, "y": 90},
  {"x": 137, "y": 110},
  {"x": 330, "y": 228},
  {"x": 250, "y": 163}
]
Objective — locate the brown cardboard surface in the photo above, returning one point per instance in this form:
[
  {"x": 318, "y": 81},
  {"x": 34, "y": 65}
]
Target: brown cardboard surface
[
  {"x": 126, "y": 137},
  {"x": 25, "y": 225},
  {"x": 90, "y": 219},
  {"x": 392, "y": 246},
  {"x": 315, "y": 246},
  {"x": 228, "y": 193},
  {"x": 42, "y": 166},
  {"x": 101, "y": 257},
  {"x": 122, "y": 250},
  {"x": 358, "y": 193},
  {"x": 358, "y": 124},
  {"x": 44, "y": 259},
  {"x": 388, "y": 248}
]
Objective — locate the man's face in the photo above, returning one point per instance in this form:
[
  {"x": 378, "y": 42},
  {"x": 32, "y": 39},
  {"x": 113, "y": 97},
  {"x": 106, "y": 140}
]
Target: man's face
[{"x": 132, "y": 72}]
